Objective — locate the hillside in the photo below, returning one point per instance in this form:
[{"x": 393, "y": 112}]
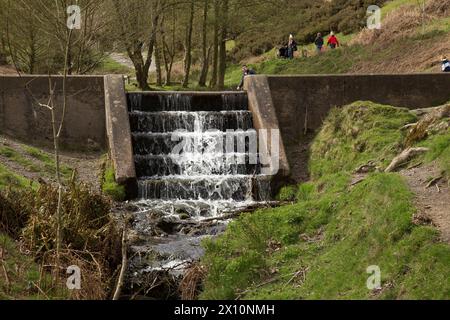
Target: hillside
[
  {"x": 350, "y": 216},
  {"x": 403, "y": 45}
]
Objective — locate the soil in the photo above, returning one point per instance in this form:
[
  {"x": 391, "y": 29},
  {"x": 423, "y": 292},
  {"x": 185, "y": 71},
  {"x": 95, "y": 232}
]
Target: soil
[{"x": 432, "y": 202}]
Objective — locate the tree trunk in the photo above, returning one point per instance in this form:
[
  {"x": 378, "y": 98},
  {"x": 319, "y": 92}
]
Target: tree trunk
[
  {"x": 213, "y": 82},
  {"x": 188, "y": 47},
  {"x": 223, "y": 46},
  {"x": 158, "y": 63},
  {"x": 205, "y": 51}
]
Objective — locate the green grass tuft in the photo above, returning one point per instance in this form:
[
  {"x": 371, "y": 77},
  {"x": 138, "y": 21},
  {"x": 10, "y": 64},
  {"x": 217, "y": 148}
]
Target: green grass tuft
[{"x": 111, "y": 188}]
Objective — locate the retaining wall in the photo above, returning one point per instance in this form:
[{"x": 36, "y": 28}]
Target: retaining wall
[{"x": 299, "y": 104}]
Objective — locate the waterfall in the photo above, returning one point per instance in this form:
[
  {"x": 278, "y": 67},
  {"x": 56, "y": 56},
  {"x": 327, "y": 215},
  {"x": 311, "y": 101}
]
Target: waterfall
[
  {"x": 215, "y": 168},
  {"x": 196, "y": 159}
]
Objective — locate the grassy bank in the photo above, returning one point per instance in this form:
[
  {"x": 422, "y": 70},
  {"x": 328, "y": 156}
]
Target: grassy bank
[{"x": 322, "y": 244}]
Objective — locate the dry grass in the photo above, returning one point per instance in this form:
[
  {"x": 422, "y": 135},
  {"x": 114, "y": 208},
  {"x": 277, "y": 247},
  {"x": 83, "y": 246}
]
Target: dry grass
[
  {"x": 90, "y": 238},
  {"x": 402, "y": 23},
  {"x": 190, "y": 286},
  {"x": 401, "y": 46}
]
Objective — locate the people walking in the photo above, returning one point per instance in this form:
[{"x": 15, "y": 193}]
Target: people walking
[
  {"x": 445, "y": 64},
  {"x": 246, "y": 71},
  {"x": 319, "y": 42},
  {"x": 291, "y": 47},
  {"x": 333, "y": 41}
]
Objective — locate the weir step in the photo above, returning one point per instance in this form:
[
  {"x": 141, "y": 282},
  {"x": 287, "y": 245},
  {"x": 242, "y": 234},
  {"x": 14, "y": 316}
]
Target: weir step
[
  {"x": 170, "y": 121},
  {"x": 234, "y": 187},
  {"x": 196, "y": 148},
  {"x": 195, "y": 164},
  {"x": 194, "y": 102}
]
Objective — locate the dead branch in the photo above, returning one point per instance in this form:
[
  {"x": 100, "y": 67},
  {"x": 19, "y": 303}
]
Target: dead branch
[
  {"x": 123, "y": 267},
  {"x": 404, "y": 157},
  {"x": 434, "y": 181}
]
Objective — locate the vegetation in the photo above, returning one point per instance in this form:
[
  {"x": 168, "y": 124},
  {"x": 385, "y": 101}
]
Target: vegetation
[
  {"x": 25, "y": 280},
  {"x": 90, "y": 241},
  {"x": 109, "y": 185},
  {"x": 9, "y": 179},
  {"x": 322, "y": 245}
]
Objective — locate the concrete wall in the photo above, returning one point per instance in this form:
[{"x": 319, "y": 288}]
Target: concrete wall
[
  {"x": 303, "y": 102},
  {"x": 119, "y": 134},
  {"x": 21, "y": 117}
]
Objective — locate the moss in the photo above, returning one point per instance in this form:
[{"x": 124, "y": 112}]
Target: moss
[{"x": 110, "y": 187}]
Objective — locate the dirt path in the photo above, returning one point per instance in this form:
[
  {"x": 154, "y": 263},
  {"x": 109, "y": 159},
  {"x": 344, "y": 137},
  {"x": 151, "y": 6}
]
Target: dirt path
[
  {"x": 433, "y": 202},
  {"x": 88, "y": 166},
  {"x": 124, "y": 60}
]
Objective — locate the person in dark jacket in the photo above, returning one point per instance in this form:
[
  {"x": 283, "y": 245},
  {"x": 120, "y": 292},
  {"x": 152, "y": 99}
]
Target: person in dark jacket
[
  {"x": 291, "y": 47},
  {"x": 319, "y": 42},
  {"x": 445, "y": 64},
  {"x": 246, "y": 71}
]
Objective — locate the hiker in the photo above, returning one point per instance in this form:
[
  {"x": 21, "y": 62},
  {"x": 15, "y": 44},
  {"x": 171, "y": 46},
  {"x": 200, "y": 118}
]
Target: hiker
[
  {"x": 319, "y": 42},
  {"x": 333, "y": 41},
  {"x": 291, "y": 47},
  {"x": 246, "y": 71},
  {"x": 445, "y": 64}
]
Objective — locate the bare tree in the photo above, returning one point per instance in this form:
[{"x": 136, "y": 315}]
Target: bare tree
[
  {"x": 215, "y": 62},
  {"x": 206, "y": 52},
  {"x": 132, "y": 16},
  {"x": 223, "y": 45},
  {"x": 187, "y": 61}
]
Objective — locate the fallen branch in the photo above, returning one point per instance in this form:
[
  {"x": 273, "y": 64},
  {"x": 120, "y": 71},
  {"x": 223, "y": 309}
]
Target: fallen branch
[
  {"x": 433, "y": 181},
  {"x": 408, "y": 126},
  {"x": 235, "y": 214},
  {"x": 123, "y": 267},
  {"x": 404, "y": 157}
]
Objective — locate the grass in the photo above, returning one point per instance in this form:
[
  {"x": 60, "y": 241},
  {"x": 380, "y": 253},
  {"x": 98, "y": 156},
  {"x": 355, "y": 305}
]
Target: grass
[
  {"x": 89, "y": 241},
  {"x": 110, "y": 187},
  {"x": 15, "y": 156},
  {"x": 439, "y": 146},
  {"x": 23, "y": 274},
  {"x": 321, "y": 246},
  {"x": 361, "y": 132},
  {"x": 394, "y": 5},
  {"x": 110, "y": 66},
  {"x": 9, "y": 179},
  {"x": 48, "y": 162},
  {"x": 330, "y": 62}
]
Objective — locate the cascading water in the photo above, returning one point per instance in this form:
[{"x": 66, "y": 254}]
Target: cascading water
[{"x": 196, "y": 158}]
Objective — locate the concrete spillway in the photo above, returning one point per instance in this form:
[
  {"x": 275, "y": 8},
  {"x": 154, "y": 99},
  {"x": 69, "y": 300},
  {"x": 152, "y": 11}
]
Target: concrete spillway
[{"x": 196, "y": 158}]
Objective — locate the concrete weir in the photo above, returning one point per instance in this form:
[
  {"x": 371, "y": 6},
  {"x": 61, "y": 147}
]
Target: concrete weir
[{"x": 97, "y": 117}]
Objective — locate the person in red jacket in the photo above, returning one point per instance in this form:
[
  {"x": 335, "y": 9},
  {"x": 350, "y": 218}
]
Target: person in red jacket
[{"x": 333, "y": 41}]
